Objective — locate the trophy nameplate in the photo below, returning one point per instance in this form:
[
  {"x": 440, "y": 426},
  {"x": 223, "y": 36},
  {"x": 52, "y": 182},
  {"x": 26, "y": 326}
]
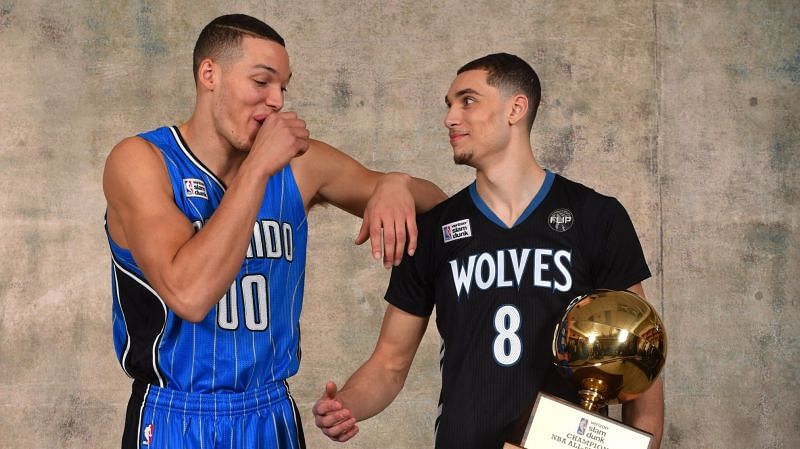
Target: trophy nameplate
[{"x": 557, "y": 424}]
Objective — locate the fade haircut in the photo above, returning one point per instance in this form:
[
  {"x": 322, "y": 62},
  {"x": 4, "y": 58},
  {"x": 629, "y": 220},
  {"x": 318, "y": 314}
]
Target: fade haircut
[
  {"x": 511, "y": 75},
  {"x": 221, "y": 39}
]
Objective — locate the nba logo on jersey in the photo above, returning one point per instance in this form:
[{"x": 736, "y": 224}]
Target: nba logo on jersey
[
  {"x": 456, "y": 230},
  {"x": 194, "y": 188},
  {"x": 148, "y": 435}
]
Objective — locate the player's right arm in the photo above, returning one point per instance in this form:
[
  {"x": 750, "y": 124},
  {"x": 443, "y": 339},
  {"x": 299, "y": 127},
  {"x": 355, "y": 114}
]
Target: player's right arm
[
  {"x": 191, "y": 270},
  {"x": 377, "y": 382}
]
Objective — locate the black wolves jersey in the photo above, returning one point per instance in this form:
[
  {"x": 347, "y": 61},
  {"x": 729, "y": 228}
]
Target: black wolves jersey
[{"x": 499, "y": 291}]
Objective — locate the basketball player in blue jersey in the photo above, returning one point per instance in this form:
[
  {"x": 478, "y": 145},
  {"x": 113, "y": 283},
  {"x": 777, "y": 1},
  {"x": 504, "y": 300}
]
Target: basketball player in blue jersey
[
  {"x": 499, "y": 261},
  {"x": 207, "y": 227}
]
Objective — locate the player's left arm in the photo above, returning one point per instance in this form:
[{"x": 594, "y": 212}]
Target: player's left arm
[
  {"x": 387, "y": 202},
  {"x": 646, "y": 412}
]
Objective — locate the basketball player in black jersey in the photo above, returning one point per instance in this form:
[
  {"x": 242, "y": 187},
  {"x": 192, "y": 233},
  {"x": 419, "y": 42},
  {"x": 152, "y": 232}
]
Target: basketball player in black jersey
[{"x": 499, "y": 261}]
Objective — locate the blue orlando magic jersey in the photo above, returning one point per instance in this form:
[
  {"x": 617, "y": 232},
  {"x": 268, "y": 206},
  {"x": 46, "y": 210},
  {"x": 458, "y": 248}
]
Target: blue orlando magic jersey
[
  {"x": 499, "y": 291},
  {"x": 252, "y": 337}
]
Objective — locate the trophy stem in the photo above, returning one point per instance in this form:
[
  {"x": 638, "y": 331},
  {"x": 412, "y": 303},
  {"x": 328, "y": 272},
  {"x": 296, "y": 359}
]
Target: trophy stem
[{"x": 593, "y": 394}]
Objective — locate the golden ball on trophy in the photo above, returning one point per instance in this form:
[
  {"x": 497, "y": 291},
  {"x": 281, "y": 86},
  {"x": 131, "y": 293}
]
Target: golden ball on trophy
[{"x": 611, "y": 345}]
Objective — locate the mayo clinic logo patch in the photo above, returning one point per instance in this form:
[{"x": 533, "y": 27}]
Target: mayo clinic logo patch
[
  {"x": 456, "y": 230},
  {"x": 194, "y": 188},
  {"x": 560, "y": 220}
]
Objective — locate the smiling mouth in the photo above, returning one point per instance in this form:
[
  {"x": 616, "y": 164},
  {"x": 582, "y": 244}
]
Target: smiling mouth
[{"x": 457, "y": 136}]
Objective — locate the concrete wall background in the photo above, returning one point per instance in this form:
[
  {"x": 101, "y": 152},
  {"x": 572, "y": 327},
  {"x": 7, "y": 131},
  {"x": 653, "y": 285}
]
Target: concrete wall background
[{"x": 686, "y": 111}]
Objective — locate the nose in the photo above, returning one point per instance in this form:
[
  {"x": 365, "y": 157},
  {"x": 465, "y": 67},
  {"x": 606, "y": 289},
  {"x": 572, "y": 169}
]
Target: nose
[
  {"x": 274, "y": 99},
  {"x": 452, "y": 118}
]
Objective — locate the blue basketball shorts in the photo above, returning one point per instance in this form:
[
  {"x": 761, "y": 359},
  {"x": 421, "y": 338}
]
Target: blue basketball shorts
[{"x": 161, "y": 418}]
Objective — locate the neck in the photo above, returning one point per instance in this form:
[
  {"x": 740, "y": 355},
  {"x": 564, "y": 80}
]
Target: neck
[
  {"x": 508, "y": 184},
  {"x": 213, "y": 150}
]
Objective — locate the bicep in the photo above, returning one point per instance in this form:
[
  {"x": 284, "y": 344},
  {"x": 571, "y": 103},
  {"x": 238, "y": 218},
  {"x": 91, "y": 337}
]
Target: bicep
[
  {"x": 142, "y": 215},
  {"x": 328, "y": 175}
]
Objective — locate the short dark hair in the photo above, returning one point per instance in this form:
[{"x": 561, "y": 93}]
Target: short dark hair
[
  {"x": 222, "y": 37},
  {"x": 512, "y": 75}
]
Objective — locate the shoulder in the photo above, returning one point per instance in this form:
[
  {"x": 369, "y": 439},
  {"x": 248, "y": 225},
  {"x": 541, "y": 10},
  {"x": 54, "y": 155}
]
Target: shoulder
[
  {"x": 133, "y": 159},
  {"x": 133, "y": 150},
  {"x": 456, "y": 205},
  {"x": 585, "y": 199}
]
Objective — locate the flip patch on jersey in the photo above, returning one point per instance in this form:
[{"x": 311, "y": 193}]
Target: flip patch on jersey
[
  {"x": 560, "y": 220},
  {"x": 456, "y": 230},
  {"x": 194, "y": 188}
]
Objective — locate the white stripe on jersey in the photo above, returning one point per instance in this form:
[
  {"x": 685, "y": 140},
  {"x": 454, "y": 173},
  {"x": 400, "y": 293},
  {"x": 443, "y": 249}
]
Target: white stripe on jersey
[
  {"x": 235, "y": 361},
  {"x": 163, "y": 306},
  {"x": 200, "y": 397},
  {"x": 275, "y": 429},
  {"x": 169, "y": 409},
  {"x": 291, "y": 311},
  {"x": 191, "y": 157},
  {"x": 441, "y": 354},
  {"x": 230, "y": 412},
  {"x": 294, "y": 413},
  {"x": 194, "y": 345},
  {"x": 124, "y": 321},
  {"x": 141, "y": 414},
  {"x": 214, "y": 363},
  {"x": 438, "y": 415}
]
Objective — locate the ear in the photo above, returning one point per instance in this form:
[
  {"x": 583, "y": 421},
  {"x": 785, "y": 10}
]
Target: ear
[
  {"x": 519, "y": 109},
  {"x": 208, "y": 74}
]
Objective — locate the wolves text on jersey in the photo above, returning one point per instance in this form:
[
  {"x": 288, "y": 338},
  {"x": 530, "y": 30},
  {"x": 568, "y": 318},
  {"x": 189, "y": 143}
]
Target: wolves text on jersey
[{"x": 506, "y": 267}]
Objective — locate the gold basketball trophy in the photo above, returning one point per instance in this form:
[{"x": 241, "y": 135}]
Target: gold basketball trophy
[{"x": 611, "y": 345}]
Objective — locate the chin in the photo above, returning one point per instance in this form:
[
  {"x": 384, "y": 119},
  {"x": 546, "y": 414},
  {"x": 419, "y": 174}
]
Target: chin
[{"x": 462, "y": 158}]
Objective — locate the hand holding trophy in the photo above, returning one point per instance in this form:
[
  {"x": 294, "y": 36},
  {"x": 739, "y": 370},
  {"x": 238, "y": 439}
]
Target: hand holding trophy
[{"x": 611, "y": 345}]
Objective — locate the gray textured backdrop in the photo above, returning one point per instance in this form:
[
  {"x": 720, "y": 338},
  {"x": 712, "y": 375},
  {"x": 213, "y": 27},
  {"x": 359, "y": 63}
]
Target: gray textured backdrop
[{"x": 685, "y": 110}]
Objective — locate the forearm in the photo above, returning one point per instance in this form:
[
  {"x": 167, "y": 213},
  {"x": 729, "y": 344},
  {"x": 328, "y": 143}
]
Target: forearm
[
  {"x": 371, "y": 389},
  {"x": 204, "y": 267},
  {"x": 646, "y": 412}
]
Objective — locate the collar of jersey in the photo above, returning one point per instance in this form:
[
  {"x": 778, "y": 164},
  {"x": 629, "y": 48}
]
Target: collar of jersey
[{"x": 537, "y": 199}]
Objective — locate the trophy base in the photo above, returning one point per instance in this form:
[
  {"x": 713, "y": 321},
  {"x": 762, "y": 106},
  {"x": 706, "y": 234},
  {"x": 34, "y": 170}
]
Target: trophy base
[{"x": 555, "y": 424}]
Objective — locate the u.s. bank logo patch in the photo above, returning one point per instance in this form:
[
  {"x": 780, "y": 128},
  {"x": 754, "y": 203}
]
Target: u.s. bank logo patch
[
  {"x": 194, "y": 188},
  {"x": 456, "y": 230},
  {"x": 560, "y": 220}
]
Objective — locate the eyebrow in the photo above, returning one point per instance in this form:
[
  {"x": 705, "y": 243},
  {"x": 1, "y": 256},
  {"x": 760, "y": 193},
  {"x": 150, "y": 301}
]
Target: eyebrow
[
  {"x": 266, "y": 67},
  {"x": 461, "y": 93},
  {"x": 272, "y": 70}
]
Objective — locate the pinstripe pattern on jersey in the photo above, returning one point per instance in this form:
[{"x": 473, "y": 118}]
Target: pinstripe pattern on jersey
[
  {"x": 482, "y": 397},
  {"x": 205, "y": 357},
  {"x": 165, "y": 418}
]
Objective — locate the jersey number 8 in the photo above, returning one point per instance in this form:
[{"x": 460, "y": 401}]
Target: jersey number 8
[{"x": 507, "y": 344}]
